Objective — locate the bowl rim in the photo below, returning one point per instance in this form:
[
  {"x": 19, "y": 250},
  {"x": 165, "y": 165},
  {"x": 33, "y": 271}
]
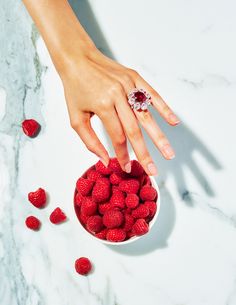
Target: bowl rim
[{"x": 132, "y": 239}]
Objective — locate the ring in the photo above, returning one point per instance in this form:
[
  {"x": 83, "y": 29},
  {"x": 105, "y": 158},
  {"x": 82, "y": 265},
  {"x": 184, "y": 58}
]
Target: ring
[{"x": 139, "y": 99}]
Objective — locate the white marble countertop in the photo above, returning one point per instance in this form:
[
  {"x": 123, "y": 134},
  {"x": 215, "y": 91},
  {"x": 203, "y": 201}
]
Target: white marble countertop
[{"x": 186, "y": 50}]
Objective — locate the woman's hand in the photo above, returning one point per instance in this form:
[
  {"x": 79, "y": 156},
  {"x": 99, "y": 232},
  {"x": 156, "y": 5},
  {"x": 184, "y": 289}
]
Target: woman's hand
[{"x": 95, "y": 84}]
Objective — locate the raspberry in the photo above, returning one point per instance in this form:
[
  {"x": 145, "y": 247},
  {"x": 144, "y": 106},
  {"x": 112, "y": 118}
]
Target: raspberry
[
  {"x": 30, "y": 127},
  {"x": 102, "y": 234},
  {"x": 102, "y": 169},
  {"x": 136, "y": 169},
  {"x": 93, "y": 175},
  {"x": 112, "y": 219},
  {"x": 79, "y": 199},
  {"x": 140, "y": 227},
  {"x": 83, "y": 265},
  {"x": 88, "y": 207},
  {"x": 103, "y": 207},
  {"x": 132, "y": 201},
  {"x": 101, "y": 190},
  {"x": 130, "y": 186},
  {"x": 115, "y": 178},
  {"x": 147, "y": 181},
  {"x": 116, "y": 235},
  {"x": 115, "y": 189},
  {"x": 57, "y": 216},
  {"x": 128, "y": 224},
  {"x": 141, "y": 211},
  {"x": 148, "y": 193},
  {"x": 118, "y": 200},
  {"x": 94, "y": 224},
  {"x": 33, "y": 223},
  {"x": 130, "y": 234},
  {"x": 84, "y": 186},
  {"x": 83, "y": 218},
  {"x": 114, "y": 165},
  {"x": 38, "y": 198},
  {"x": 152, "y": 207}
]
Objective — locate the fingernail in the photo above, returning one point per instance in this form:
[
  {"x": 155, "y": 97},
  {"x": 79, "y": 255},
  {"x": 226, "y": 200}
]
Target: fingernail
[
  {"x": 168, "y": 151},
  {"x": 128, "y": 167},
  {"x": 173, "y": 119},
  {"x": 105, "y": 162},
  {"x": 152, "y": 169}
]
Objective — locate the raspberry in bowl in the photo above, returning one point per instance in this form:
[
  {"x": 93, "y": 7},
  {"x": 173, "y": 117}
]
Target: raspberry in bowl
[{"x": 115, "y": 207}]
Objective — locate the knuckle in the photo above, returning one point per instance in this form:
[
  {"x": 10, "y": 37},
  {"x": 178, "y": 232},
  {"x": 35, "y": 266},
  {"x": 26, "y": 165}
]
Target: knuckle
[
  {"x": 74, "y": 124},
  {"x": 134, "y": 132},
  {"x": 127, "y": 78},
  {"x": 115, "y": 88},
  {"x": 90, "y": 146},
  {"x": 133, "y": 73},
  {"x": 120, "y": 140}
]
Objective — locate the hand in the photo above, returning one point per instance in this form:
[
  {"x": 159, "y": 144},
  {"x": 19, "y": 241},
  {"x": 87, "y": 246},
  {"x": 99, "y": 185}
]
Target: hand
[{"x": 95, "y": 84}]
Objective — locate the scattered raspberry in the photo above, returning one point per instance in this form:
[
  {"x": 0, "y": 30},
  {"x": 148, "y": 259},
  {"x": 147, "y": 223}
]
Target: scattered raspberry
[
  {"x": 103, "y": 207},
  {"x": 132, "y": 201},
  {"x": 130, "y": 186},
  {"x": 141, "y": 211},
  {"x": 102, "y": 234},
  {"x": 114, "y": 165},
  {"x": 148, "y": 193},
  {"x": 30, "y": 127},
  {"x": 101, "y": 190},
  {"x": 115, "y": 178},
  {"x": 57, "y": 216},
  {"x": 116, "y": 235},
  {"x": 93, "y": 175},
  {"x": 84, "y": 186},
  {"x": 33, "y": 223},
  {"x": 140, "y": 227},
  {"x": 38, "y": 198},
  {"x": 88, "y": 207},
  {"x": 83, "y": 265},
  {"x": 152, "y": 206},
  {"x": 128, "y": 223},
  {"x": 118, "y": 200},
  {"x": 79, "y": 199},
  {"x": 113, "y": 219},
  {"x": 102, "y": 169},
  {"x": 94, "y": 224},
  {"x": 136, "y": 169}
]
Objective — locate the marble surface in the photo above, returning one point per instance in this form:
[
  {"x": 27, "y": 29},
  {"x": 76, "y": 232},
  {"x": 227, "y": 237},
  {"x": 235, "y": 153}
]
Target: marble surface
[{"x": 186, "y": 50}]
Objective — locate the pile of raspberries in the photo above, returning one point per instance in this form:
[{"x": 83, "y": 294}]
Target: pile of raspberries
[{"x": 113, "y": 205}]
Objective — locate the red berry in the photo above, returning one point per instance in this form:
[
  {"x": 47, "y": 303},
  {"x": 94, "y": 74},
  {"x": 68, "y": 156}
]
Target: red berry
[
  {"x": 147, "y": 181},
  {"x": 132, "y": 201},
  {"x": 102, "y": 169},
  {"x": 118, "y": 200},
  {"x": 101, "y": 190},
  {"x": 152, "y": 206},
  {"x": 114, "y": 165},
  {"x": 148, "y": 193},
  {"x": 83, "y": 265},
  {"x": 136, "y": 169},
  {"x": 103, "y": 207},
  {"x": 141, "y": 211},
  {"x": 130, "y": 234},
  {"x": 83, "y": 218},
  {"x": 130, "y": 186},
  {"x": 102, "y": 234},
  {"x": 93, "y": 175},
  {"x": 33, "y": 223},
  {"x": 30, "y": 127},
  {"x": 84, "y": 186},
  {"x": 38, "y": 198},
  {"x": 94, "y": 224},
  {"x": 57, "y": 216},
  {"x": 79, "y": 199},
  {"x": 116, "y": 235},
  {"x": 128, "y": 224},
  {"x": 115, "y": 189},
  {"x": 140, "y": 227},
  {"x": 113, "y": 219},
  {"x": 88, "y": 206},
  {"x": 115, "y": 178}
]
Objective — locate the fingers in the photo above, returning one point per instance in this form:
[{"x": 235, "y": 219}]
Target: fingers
[
  {"x": 158, "y": 102},
  {"x": 134, "y": 134},
  {"x": 155, "y": 133},
  {"x": 115, "y": 130},
  {"x": 84, "y": 129}
]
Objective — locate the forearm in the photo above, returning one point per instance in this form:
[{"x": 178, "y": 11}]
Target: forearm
[{"x": 60, "y": 29}]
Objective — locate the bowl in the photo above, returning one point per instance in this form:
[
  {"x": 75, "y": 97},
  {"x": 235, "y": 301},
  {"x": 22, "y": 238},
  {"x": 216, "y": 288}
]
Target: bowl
[{"x": 132, "y": 239}]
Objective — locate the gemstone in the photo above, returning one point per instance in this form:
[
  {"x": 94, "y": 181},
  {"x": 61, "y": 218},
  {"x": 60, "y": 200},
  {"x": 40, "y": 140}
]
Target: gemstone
[
  {"x": 144, "y": 106},
  {"x": 140, "y": 96},
  {"x": 136, "y": 106}
]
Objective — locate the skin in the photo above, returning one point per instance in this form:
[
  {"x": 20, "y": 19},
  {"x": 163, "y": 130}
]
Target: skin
[{"x": 95, "y": 84}]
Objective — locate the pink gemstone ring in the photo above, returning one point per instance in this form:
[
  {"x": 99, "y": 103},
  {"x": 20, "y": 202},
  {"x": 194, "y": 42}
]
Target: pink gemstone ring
[{"x": 139, "y": 99}]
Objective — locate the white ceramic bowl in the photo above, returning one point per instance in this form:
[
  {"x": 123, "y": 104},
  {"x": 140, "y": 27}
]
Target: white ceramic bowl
[{"x": 132, "y": 239}]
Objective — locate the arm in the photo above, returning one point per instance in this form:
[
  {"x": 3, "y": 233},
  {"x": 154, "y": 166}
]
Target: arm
[{"x": 95, "y": 84}]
